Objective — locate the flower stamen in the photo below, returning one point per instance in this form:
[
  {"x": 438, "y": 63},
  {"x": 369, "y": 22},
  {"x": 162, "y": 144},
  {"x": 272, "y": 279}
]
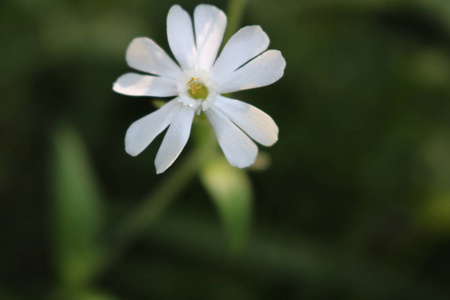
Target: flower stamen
[
  {"x": 192, "y": 80},
  {"x": 197, "y": 90}
]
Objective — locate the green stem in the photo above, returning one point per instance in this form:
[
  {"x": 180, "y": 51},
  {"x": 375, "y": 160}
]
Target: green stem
[
  {"x": 154, "y": 205},
  {"x": 235, "y": 11}
]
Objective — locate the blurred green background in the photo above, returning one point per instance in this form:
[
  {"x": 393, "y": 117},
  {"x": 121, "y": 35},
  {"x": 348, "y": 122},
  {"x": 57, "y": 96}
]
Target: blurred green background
[{"x": 355, "y": 203}]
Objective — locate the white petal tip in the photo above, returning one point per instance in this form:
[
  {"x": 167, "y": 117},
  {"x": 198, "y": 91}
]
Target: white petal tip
[
  {"x": 209, "y": 6},
  {"x": 118, "y": 88},
  {"x": 257, "y": 30},
  {"x": 245, "y": 165},
  {"x": 282, "y": 65},
  {"x": 131, "y": 152},
  {"x": 175, "y": 7},
  {"x": 271, "y": 143},
  {"x": 161, "y": 169},
  {"x": 273, "y": 140},
  {"x": 114, "y": 87}
]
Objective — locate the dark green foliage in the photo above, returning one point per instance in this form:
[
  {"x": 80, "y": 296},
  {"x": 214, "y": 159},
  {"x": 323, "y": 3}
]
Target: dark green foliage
[{"x": 354, "y": 205}]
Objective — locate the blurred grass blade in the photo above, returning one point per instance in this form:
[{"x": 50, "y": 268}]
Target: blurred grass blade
[
  {"x": 95, "y": 295},
  {"x": 433, "y": 214},
  {"x": 231, "y": 191},
  {"x": 88, "y": 294},
  {"x": 77, "y": 213}
]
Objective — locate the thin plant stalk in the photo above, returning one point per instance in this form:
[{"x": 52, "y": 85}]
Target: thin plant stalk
[{"x": 153, "y": 206}]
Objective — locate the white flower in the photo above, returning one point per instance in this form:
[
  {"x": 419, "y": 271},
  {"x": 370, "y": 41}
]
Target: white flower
[{"x": 197, "y": 84}]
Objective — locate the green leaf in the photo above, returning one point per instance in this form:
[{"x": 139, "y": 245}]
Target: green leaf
[
  {"x": 231, "y": 191},
  {"x": 77, "y": 210}
]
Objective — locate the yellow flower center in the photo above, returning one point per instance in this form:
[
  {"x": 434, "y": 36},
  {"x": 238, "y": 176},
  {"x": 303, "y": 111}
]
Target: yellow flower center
[{"x": 197, "y": 89}]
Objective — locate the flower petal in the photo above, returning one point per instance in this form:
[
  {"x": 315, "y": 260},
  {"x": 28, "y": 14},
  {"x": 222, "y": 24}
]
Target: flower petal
[
  {"x": 261, "y": 71},
  {"x": 256, "y": 123},
  {"x": 142, "y": 132},
  {"x": 210, "y": 23},
  {"x": 133, "y": 84},
  {"x": 245, "y": 44},
  {"x": 181, "y": 37},
  {"x": 238, "y": 148},
  {"x": 145, "y": 55},
  {"x": 175, "y": 139}
]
